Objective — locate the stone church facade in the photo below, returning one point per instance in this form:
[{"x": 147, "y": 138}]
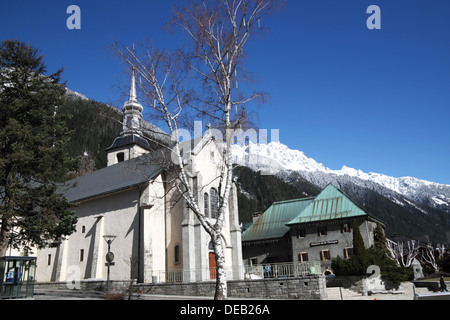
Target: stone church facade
[{"x": 157, "y": 237}]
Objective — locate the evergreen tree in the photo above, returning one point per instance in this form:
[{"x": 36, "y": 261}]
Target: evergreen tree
[
  {"x": 359, "y": 250},
  {"x": 33, "y": 139},
  {"x": 380, "y": 239}
]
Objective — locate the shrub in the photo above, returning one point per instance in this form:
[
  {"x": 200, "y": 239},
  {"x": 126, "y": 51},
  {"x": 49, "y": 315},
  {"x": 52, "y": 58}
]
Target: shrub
[
  {"x": 444, "y": 263},
  {"x": 356, "y": 266}
]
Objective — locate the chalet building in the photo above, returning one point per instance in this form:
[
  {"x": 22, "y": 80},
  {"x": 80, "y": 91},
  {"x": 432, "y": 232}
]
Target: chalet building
[
  {"x": 306, "y": 230},
  {"x": 154, "y": 234}
]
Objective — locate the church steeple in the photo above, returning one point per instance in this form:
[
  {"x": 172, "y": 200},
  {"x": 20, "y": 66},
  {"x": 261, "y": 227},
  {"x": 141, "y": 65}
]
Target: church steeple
[
  {"x": 131, "y": 142},
  {"x": 132, "y": 111}
]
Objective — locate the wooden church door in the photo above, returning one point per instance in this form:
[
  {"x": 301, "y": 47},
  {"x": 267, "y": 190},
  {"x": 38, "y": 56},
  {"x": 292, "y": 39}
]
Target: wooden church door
[{"x": 212, "y": 265}]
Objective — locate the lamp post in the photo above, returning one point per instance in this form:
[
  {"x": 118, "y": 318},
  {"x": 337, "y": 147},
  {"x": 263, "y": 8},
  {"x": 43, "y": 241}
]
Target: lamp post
[{"x": 109, "y": 258}]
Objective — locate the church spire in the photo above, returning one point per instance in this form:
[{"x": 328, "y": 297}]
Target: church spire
[
  {"x": 133, "y": 96},
  {"x": 132, "y": 111},
  {"x": 131, "y": 143}
]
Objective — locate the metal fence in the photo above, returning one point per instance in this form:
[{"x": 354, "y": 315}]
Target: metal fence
[
  {"x": 282, "y": 270},
  {"x": 254, "y": 272}
]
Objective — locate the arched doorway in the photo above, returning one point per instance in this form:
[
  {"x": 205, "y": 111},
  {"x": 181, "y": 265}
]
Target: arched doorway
[{"x": 212, "y": 262}]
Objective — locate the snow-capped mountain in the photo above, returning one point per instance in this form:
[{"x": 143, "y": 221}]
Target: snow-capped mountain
[
  {"x": 76, "y": 94},
  {"x": 276, "y": 158}
]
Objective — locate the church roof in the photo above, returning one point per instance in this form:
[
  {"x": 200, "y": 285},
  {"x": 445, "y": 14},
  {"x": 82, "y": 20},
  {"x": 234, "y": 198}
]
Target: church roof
[
  {"x": 127, "y": 140},
  {"x": 122, "y": 176}
]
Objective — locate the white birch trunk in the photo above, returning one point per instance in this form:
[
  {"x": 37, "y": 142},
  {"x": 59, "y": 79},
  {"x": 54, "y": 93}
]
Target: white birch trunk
[
  {"x": 218, "y": 31},
  {"x": 401, "y": 255},
  {"x": 429, "y": 258}
]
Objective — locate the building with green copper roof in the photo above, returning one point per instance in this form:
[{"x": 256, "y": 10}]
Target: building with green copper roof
[
  {"x": 309, "y": 229},
  {"x": 330, "y": 204},
  {"x": 273, "y": 223}
]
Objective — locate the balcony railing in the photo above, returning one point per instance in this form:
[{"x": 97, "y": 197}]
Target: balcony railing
[
  {"x": 282, "y": 270},
  {"x": 254, "y": 272}
]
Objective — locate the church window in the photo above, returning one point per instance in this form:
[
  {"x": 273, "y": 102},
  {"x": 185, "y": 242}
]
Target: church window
[
  {"x": 214, "y": 203},
  {"x": 82, "y": 255},
  {"x": 206, "y": 201},
  {"x": 83, "y": 229},
  {"x": 120, "y": 157},
  {"x": 177, "y": 254},
  {"x": 49, "y": 259},
  {"x": 211, "y": 156}
]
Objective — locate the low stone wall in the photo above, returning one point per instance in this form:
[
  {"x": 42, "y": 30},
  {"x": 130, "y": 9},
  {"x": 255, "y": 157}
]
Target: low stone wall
[
  {"x": 312, "y": 287},
  {"x": 431, "y": 285},
  {"x": 83, "y": 285}
]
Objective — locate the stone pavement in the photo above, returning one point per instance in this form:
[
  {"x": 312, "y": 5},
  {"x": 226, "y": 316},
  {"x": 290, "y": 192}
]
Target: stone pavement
[{"x": 405, "y": 292}]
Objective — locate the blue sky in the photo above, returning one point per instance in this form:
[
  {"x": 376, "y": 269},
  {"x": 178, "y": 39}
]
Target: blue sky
[{"x": 375, "y": 100}]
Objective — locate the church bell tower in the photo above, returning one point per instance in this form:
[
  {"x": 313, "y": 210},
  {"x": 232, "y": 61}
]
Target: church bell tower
[{"x": 130, "y": 143}]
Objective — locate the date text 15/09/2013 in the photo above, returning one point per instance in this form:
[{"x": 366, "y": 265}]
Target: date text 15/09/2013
[{"x": 238, "y": 309}]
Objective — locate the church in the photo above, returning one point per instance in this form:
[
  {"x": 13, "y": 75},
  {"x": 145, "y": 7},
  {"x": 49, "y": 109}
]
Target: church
[{"x": 133, "y": 204}]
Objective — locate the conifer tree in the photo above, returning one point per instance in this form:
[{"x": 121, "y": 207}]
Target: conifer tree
[
  {"x": 359, "y": 250},
  {"x": 33, "y": 159},
  {"x": 380, "y": 239}
]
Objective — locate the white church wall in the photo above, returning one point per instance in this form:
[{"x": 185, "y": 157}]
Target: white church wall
[
  {"x": 154, "y": 225},
  {"x": 121, "y": 218},
  {"x": 174, "y": 218},
  {"x": 83, "y": 254}
]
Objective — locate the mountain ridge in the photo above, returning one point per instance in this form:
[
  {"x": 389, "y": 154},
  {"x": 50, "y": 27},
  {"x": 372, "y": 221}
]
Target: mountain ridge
[
  {"x": 277, "y": 158},
  {"x": 402, "y": 215}
]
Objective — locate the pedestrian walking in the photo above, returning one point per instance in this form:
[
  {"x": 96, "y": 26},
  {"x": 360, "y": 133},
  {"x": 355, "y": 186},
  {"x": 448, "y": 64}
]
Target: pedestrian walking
[{"x": 443, "y": 285}]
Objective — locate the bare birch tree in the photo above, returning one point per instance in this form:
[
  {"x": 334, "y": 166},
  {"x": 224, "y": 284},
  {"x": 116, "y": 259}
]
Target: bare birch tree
[
  {"x": 403, "y": 254},
  {"x": 428, "y": 257},
  {"x": 202, "y": 79}
]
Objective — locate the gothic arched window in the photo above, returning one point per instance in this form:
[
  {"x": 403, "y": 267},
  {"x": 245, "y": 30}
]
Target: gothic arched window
[
  {"x": 214, "y": 203},
  {"x": 177, "y": 254},
  {"x": 206, "y": 202}
]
